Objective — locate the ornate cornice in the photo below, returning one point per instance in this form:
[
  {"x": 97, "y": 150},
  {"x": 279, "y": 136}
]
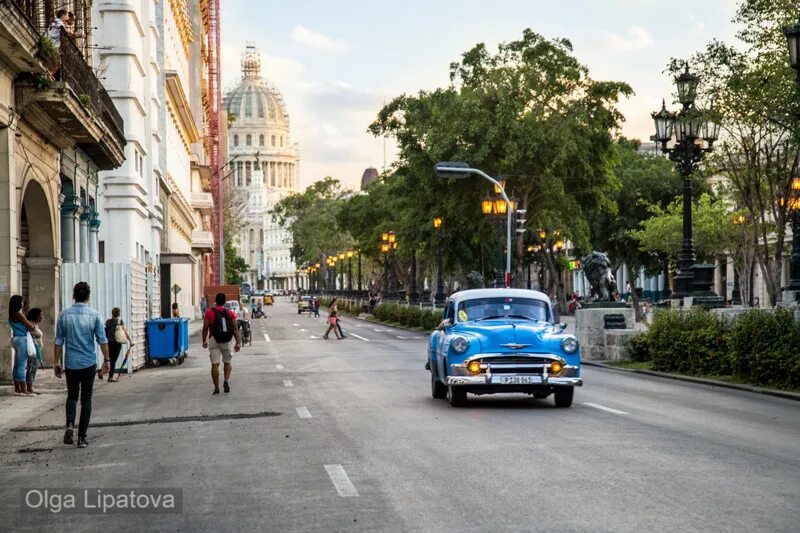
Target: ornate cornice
[{"x": 180, "y": 11}]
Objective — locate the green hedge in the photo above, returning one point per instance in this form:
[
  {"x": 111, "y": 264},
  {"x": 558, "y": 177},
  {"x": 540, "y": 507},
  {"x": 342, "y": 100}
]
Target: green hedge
[{"x": 759, "y": 347}]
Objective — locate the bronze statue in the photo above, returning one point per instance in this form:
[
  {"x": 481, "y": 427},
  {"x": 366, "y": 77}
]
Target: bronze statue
[{"x": 597, "y": 268}]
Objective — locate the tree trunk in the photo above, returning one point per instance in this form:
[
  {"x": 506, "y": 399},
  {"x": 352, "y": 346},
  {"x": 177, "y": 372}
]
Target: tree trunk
[{"x": 637, "y": 312}]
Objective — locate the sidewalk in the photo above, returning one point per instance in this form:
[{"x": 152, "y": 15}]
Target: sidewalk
[{"x": 16, "y": 410}]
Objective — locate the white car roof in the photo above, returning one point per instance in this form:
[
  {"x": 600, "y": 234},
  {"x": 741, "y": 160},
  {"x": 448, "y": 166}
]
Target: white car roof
[{"x": 471, "y": 294}]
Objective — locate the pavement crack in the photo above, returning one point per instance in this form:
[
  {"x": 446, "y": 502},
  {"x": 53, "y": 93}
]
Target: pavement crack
[{"x": 162, "y": 420}]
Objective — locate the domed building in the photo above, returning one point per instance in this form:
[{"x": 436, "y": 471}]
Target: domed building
[{"x": 265, "y": 170}]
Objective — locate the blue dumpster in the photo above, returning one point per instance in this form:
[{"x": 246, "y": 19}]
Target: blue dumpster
[{"x": 163, "y": 338}]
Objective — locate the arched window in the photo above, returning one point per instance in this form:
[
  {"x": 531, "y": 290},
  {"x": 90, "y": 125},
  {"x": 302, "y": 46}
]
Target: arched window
[
  {"x": 252, "y": 237},
  {"x": 236, "y": 140},
  {"x": 249, "y": 140},
  {"x": 261, "y": 140},
  {"x": 273, "y": 140}
]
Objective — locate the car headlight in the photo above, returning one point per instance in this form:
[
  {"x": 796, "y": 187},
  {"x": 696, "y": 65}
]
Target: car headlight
[
  {"x": 569, "y": 344},
  {"x": 460, "y": 344}
]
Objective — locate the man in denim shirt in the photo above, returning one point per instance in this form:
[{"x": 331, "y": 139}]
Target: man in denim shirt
[{"x": 78, "y": 328}]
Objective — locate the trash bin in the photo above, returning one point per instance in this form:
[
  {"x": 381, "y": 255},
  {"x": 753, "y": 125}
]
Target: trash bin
[{"x": 163, "y": 338}]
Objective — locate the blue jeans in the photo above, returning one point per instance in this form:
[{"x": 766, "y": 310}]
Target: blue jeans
[{"x": 20, "y": 345}]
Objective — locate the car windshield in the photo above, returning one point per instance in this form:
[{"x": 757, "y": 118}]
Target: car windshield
[{"x": 503, "y": 307}]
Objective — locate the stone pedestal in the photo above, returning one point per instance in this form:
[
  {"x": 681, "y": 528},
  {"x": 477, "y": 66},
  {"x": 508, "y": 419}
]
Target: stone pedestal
[
  {"x": 590, "y": 329},
  {"x": 617, "y": 342}
]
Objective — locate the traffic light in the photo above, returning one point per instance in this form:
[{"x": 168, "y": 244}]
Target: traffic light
[{"x": 519, "y": 218}]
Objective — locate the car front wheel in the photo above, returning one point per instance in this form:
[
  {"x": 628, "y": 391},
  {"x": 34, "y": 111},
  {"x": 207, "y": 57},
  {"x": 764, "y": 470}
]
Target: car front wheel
[
  {"x": 457, "y": 396},
  {"x": 563, "y": 396},
  {"x": 438, "y": 389}
]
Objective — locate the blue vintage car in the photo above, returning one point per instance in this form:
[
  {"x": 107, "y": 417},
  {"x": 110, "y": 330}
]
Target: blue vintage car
[{"x": 502, "y": 340}]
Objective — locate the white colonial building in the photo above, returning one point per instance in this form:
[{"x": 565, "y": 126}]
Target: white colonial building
[{"x": 265, "y": 165}]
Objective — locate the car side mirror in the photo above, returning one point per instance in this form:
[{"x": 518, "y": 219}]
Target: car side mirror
[{"x": 444, "y": 324}]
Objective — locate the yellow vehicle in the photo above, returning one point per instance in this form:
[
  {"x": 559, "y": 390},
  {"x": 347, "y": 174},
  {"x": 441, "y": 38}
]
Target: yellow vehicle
[
  {"x": 268, "y": 299},
  {"x": 304, "y": 305}
]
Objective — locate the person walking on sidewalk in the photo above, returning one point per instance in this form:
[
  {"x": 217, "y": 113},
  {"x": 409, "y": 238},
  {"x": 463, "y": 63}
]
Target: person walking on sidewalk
[
  {"x": 220, "y": 322},
  {"x": 117, "y": 335},
  {"x": 34, "y": 316},
  {"x": 333, "y": 320},
  {"x": 78, "y": 328},
  {"x": 20, "y": 326},
  {"x": 317, "y": 304}
]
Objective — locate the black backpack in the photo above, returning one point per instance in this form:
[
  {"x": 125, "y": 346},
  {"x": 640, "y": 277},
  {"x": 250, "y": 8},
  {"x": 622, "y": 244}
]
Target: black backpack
[{"x": 222, "y": 328}]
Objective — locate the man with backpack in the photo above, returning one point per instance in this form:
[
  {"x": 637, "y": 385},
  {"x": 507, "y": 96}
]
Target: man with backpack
[{"x": 220, "y": 322}]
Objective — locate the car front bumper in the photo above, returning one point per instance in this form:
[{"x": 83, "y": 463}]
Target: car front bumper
[{"x": 523, "y": 380}]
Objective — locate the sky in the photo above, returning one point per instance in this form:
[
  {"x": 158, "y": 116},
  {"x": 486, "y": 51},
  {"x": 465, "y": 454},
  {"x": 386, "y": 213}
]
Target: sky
[{"x": 337, "y": 62}]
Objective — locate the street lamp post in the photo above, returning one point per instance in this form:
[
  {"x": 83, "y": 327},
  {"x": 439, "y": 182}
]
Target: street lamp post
[
  {"x": 393, "y": 267},
  {"x": 350, "y": 254},
  {"x": 385, "y": 247},
  {"x": 460, "y": 170},
  {"x": 695, "y": 133},
  {"x": 793, "y": 41},
  {"x": 359, "y": 273},
  {"x": 439, "y": 297}
]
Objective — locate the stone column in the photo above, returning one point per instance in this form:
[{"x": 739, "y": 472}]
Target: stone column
[
  {"x": 84, "y": 235},
  {"x": 70, "y": 211},
  {"x": 44, "y": 282},
  {"x": 9, "y": 232},
  {"x": 94, "y": 229}
]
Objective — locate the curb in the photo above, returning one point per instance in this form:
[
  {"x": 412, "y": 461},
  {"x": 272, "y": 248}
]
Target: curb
[
  {"x": 701, "y": 381},
  {"x": 384, "y": 324}
]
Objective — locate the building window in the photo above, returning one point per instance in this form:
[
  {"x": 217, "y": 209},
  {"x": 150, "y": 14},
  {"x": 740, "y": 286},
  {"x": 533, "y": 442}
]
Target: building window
[
  {"x": 239, "y": 173},
  {"x": 236, "y": 140},
  {"x": 255, "y": 166},
  {"x": 247, "y": 173},
  {"x": 261, "y": 140},
  {"x": 249, "y": 140},
  {"x": 281, "y": 141},
  {"x": 101, "y": 251},
  {"x": 273, "y": 140}
]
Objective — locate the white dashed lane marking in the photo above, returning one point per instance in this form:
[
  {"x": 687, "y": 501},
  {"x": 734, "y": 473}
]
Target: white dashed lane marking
[
  {"x": 288, "y": 383},
  {"x": 604, "y": 408},
  {"x": 279, "y": 367},
  {"x": 302, "y": 412},
  {"x": 266, "y": 337},
  {"x": 359, "y": 337},
  {"x": 341, "y": 481}
]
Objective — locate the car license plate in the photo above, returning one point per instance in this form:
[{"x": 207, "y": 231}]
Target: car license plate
[{"x": 516, "y": 380}]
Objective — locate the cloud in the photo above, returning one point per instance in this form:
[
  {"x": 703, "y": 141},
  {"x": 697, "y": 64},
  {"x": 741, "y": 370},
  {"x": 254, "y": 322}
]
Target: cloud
[
  {"x": 636, "y": 38},
  {"x": 320, "y": 41}
]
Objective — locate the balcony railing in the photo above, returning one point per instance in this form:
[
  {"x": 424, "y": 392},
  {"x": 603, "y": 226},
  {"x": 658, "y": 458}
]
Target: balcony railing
[
  {"x": 74, "y": 69},
  {"x": 79, "y": 76}
]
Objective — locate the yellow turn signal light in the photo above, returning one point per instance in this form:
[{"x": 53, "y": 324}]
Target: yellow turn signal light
[
  {"x": 474, "y": 368},
  {"x": 555, "y": 368}
]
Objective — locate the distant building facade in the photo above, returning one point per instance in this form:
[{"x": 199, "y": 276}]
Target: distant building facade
[{"x": 265, "y": 164}]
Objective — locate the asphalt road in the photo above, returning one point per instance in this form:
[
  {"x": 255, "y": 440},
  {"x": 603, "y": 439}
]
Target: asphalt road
[{"x": 345, "y": 437}]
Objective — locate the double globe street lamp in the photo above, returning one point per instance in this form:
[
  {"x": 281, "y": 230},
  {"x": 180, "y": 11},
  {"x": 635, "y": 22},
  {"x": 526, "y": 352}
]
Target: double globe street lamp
[
  {"x": 388, "y": 245},
  {"x": 793, "y": 42},
  {"x": 694, "y": 133},
  {"x": 439, "y": 297}
]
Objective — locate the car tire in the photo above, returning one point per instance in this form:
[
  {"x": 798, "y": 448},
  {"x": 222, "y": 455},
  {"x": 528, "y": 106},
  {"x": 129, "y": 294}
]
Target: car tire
[
  {"x": 438, "y": 389},
  {"x": 563, "y": 396},
  {"x": 457, "y": 396}
]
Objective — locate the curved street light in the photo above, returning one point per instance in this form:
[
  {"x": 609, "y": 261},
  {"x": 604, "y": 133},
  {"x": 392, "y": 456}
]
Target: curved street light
[{"x": 461, "y": 170}]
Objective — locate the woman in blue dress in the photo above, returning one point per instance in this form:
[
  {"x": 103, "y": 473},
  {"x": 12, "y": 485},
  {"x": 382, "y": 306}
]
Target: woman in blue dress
[{"x": 20, "y": 326}]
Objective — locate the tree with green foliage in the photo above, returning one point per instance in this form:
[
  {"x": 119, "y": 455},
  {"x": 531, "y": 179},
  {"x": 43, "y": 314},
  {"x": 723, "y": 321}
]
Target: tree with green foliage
[
  {"x": 235, "y": 265},
  {"x": 530, "y": 112},
  {"x": 752, "y": 87},
  {"x": 311, "y": 219}
]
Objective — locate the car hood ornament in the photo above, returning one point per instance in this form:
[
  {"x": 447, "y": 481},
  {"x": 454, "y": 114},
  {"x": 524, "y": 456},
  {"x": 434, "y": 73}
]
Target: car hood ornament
[{"x": 515, "y": 345}]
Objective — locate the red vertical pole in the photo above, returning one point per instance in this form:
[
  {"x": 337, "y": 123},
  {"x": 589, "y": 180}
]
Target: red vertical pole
[{"x": 217, "y": 188}]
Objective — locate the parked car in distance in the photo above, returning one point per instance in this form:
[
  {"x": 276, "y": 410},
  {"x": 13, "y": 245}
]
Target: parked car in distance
[
  {"x": 502, "y": 340},
  {"x": 304, "y": 305}
]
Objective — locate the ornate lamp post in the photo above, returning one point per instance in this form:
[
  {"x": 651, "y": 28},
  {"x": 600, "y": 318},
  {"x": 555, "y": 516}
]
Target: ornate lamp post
[
  {"x": 439, "y": 297},
  {"x": 794, "y": 217},
  {"x": 393, "y": 266},
  {"x": 385, "y": 249},
  {"x": 495, "y": 209},
  {"x": 350, "y": 255},
  {"x": 695, "y": 133}
]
